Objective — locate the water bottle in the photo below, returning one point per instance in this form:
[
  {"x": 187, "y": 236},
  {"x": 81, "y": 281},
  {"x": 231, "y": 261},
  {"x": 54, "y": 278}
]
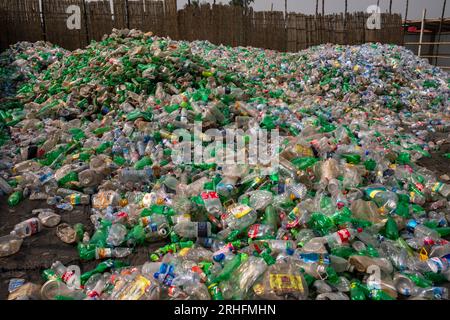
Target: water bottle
[
  {"x": 131, "y": 175},
  {"x": 421, "y": 231},
  {"x": 27, "y": 228},
  {"x": 341, "y": 237},
  {"x": 212, "y": 202},
  {"x": 116, "y": 234},
  {"x": 189, "y": 229},
  {"x": 103, "y": 253}
]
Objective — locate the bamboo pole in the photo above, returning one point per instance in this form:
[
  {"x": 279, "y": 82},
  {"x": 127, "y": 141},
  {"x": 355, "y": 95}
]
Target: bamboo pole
[
  {"x": 421, "y": 32},
  {"x": 440, "y": 30}
]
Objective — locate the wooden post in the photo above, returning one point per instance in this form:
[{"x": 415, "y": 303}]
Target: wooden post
[
  {"x": 44, "y": 32},
  {"x": 285, "y": 9},
  {"x": 85, "y": 18},
  {"x": 421, "y": 32},
  {"x": 346, "y": 7},
  {"x": 127, "y": 9},
  {"x": 406, "y": 10},
  {"x": 317, "y": 7},
  {"x": 390, "y": 6},
  {"x": 440, "y": 30},
  {"x": 406, "y": 19},
  {"x": 323, "y": 7}
]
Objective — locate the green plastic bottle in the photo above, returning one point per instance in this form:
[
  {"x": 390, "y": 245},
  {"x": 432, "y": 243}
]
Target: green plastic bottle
[
  {"x": 15, "y": 198},
  {"x": 391, "y": 229},
  {"x": 142, "y": 163},
  {"x": 356, "y": 293}
]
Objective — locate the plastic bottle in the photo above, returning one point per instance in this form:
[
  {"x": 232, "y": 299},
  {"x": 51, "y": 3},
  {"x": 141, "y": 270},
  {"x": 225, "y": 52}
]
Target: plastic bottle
[
  {"x": 188, "y": 229},
  {"x": 27, "y": 228},
  {"x": 341, "y": 237},
  {"x": 102, "y": 253},
  {"x": 9, "y": 245}
]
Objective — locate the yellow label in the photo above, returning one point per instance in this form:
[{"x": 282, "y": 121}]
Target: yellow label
[
  {"x": 183, "y": 252},
  {"x": 240, "y": 211},
  {"x": 137, "y": 289},
  {"x": 373, "y": 193},
  {"x": 286, "y": 282},
  {"x": 437, "y": 187}
]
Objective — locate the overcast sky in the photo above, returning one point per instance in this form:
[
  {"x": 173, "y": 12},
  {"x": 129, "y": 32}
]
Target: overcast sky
[{"x": 434, "y": 7}]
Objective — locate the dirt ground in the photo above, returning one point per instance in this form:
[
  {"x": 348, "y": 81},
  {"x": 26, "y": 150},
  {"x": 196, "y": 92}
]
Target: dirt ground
[{"x": 41, "y": 250}]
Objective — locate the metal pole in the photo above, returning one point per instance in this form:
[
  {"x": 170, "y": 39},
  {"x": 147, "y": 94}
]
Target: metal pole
[
  {"x": 323, "y": 7},
  {"x": 421, "y": 32},
  {"x": 390, "y": 7},
  {"x": 317, "y": 7},
  {"x": 440, "y": 30}
]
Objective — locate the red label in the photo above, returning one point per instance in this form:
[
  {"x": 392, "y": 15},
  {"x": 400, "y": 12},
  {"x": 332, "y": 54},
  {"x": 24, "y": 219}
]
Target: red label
[
  {"x": 344, "y": 235},
  {"x": 253, "y": 231},
  {"x": 205, "y": 195},
  {"x": 66, "y": 276}
]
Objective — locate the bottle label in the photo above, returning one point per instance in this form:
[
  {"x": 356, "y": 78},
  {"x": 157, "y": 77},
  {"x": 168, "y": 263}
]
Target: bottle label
[
  {"x": 137, "y": 289},
  {"x": 253, "y": 231},
  {"x": 437, "y": 187},
  {"x": 104, "y": 253},
  {"x": 284, "y": 283},
  {"x": 373, "y": 193},
  {"x": 67, "y": 276},
  {"x": 33, "y": 225},
  {"x": 322, "y": 259},
  {"x": 436, "y": 265},
  {"x": 75, "y": 199},
  {"x": 344, "y": 235},
  {"x": 240, "y": 211},
  {"x": 411, "y": 225},
  {"x": 202, "y": 230},
  {"x": 145, "y": 221}
]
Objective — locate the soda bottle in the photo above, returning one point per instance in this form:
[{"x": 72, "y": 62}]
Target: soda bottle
[
  {"x": 212, "y": 202},
  {"x": 341, "y": 237},
  {"x": 15, "y": 198}
]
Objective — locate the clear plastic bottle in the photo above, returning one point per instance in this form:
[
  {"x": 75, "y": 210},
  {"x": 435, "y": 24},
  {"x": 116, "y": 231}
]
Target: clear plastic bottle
[
  {"x": 27, "y": 228},
  {"x": 116, "y": 235},
  {"x": 189, "y": 229},
  {"x": 103, "y": 253},
  {"x": 9, "y": 245},
  {"x": 341, "y": 237},
  {"x": 421, "y": 231}
]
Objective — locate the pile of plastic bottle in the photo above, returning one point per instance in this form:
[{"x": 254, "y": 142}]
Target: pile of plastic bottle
[{"x": 348, "y": 214}]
